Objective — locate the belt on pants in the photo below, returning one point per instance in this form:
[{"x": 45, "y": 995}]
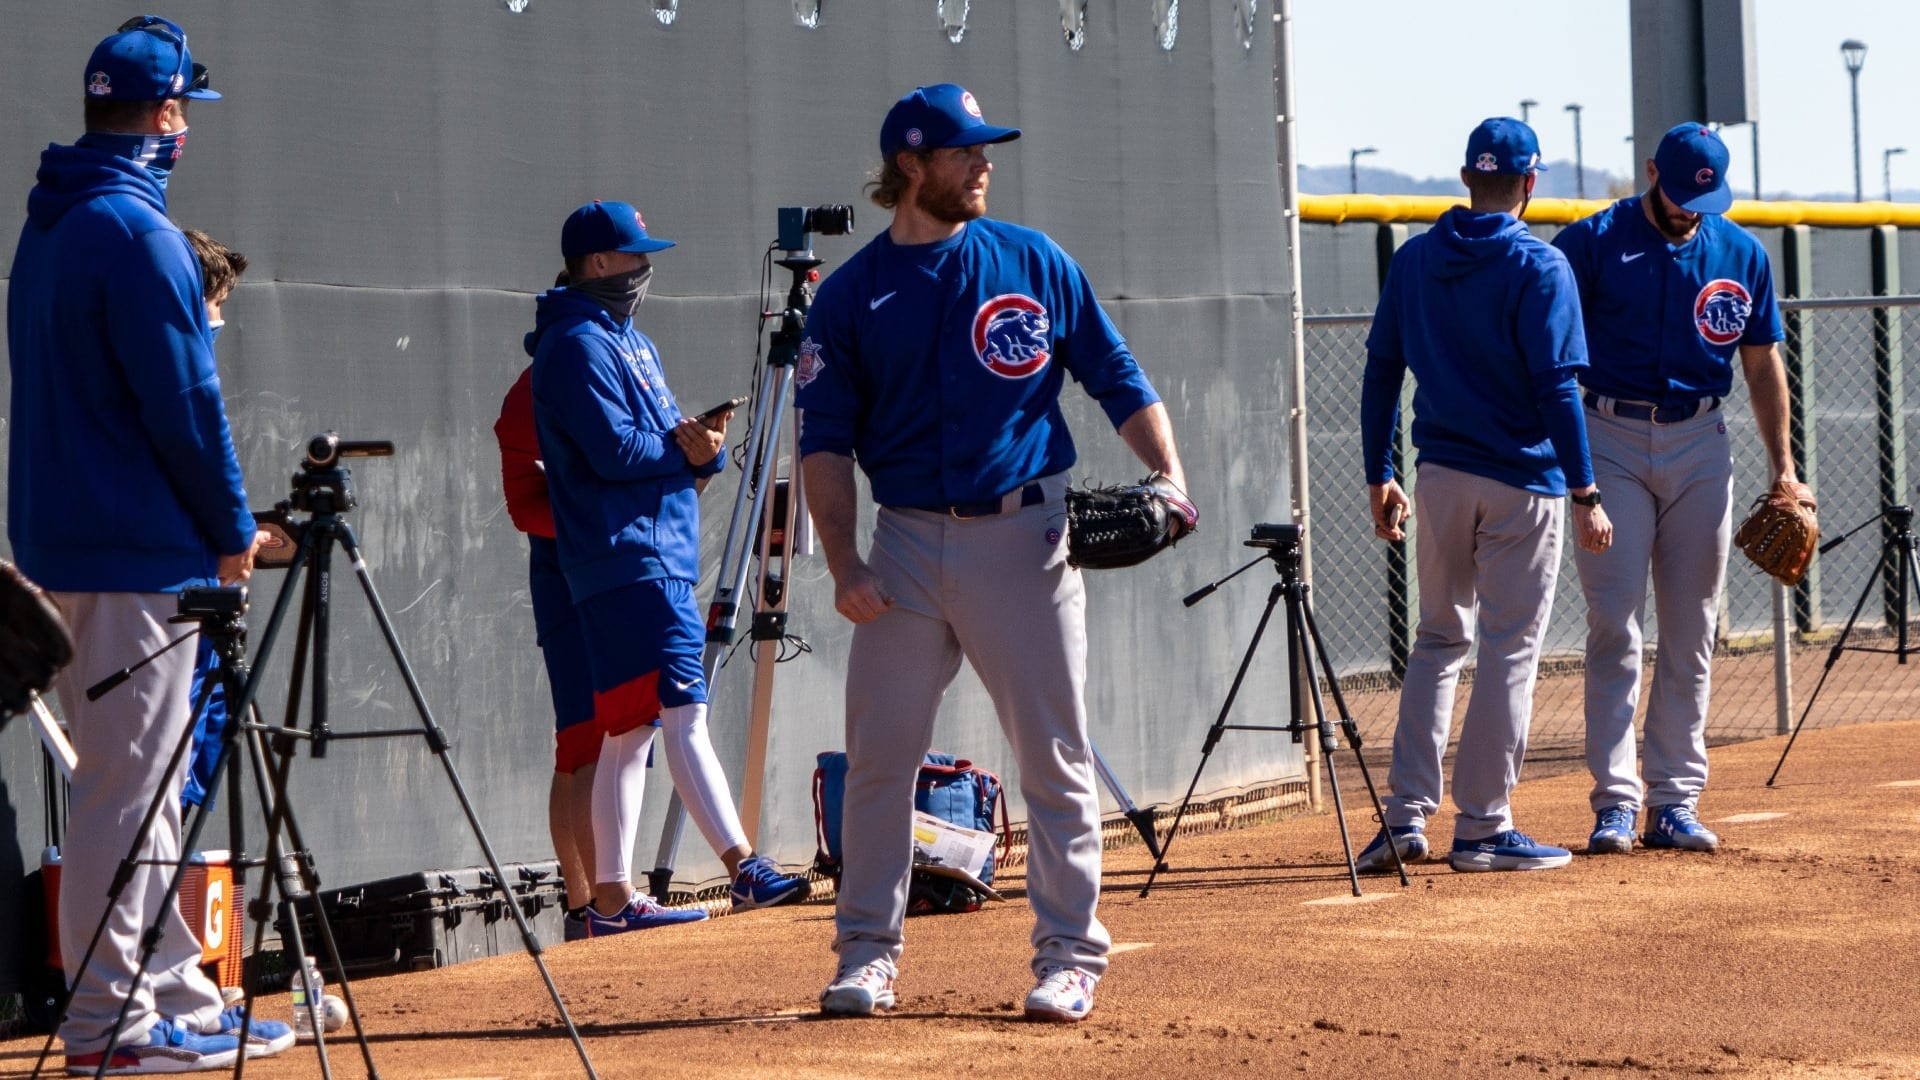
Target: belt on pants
[
  {"x": 1659, "y": 414},
  {"x": 1028, "y": 495}
]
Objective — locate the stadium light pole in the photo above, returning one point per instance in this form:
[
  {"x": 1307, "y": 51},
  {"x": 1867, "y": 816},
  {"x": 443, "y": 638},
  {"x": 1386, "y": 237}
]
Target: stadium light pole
[
  {"x": 1353, "y": 168},
  {"x": 1854, "y": 52},
  {"x": 1886, "y": 167},
  {"x": 1526, "y": 110},
  {"x": 1579, "y": 164}
]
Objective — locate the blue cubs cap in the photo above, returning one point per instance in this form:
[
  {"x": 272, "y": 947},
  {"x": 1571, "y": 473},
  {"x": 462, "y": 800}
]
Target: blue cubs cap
[
  {"x": 1504, "y": 146},
  {"x": 606, "y": 226},
  {"x": 1693, "y": 169},
  {"x": 146, "y": 60},
  {"x": 936, "y": 117}
]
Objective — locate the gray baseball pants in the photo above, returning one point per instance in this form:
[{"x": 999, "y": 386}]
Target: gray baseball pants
[
  {"x": 1669, "y": 492},
  {"x": 997, "y": 591},
  {"x": 124, "y": 743},
  {"x": 1488, "y": 558}
]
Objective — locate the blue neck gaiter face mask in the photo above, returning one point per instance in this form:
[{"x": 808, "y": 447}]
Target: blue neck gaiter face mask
[{"x": 156, "y": 153}]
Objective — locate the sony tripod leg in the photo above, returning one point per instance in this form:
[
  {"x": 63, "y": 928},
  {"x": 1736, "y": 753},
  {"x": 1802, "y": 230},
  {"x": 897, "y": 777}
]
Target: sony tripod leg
[
  {"x": 1142, "y": 818},
  {"x": 1352, "y": 730},
  {"x": 1833, "y": 656}
]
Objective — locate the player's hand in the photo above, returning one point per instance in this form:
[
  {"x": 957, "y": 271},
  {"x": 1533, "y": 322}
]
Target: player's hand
[
  {"x": 237, "y": 568},
  {"x": 1391, "y": 510},
  {"x": 699, "y": 442},
  {"x": 1596, "y": 531},
  {"x": 859, "y": 594},
  {"x": 719, "y": 423}
]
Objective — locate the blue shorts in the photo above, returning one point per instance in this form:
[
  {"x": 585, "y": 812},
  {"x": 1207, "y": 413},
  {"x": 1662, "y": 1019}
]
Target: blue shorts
[
  {"x": 562, "y": 642},
  {"x": 644, "y": 643}
]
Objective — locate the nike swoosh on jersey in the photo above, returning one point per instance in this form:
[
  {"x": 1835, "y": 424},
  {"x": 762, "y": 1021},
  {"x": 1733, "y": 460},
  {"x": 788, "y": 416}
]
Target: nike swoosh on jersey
[
  {"x": 1626, "y": 258},
  {"x": 874, "y": 305}
]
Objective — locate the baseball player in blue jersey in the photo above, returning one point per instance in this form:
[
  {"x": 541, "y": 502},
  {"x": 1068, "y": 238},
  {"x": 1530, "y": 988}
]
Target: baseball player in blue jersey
[
  {"x": 624, "y": 474},
  {"x": 1487, "y": 318},
  {"x": 1671, "y": 292},
  {"x": 935, "y": 358},
  {"x": 117, "y": 417}
]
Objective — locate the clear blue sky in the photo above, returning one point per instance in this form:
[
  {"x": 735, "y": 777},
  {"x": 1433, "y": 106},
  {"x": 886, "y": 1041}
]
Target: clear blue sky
[{"x": 1412, "y": 77}]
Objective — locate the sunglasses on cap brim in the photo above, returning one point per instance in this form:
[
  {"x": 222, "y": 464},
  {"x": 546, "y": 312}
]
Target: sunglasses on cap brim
[{"x": 164, "y": 28}]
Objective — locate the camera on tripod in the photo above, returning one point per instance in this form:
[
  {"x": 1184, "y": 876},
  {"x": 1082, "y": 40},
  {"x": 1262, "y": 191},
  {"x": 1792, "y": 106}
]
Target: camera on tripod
[
  {"x": 798, "y": 222},
  {"x": 213, "y": 602},
  {"x": 1277, "y": 537}
]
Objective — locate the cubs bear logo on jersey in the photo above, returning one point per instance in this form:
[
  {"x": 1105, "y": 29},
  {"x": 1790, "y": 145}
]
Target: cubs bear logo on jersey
[
  {"x": 810, "y": 365},
  {"x": 1720, "y": 311},
  {"x": 1012, "y": 335}
]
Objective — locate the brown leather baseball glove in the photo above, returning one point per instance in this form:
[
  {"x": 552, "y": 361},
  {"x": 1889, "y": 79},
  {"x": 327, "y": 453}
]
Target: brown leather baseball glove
[{"x": 1782, "y": 532}]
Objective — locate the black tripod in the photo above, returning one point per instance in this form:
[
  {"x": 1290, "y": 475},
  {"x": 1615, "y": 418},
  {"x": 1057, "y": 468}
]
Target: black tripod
[
  {"x": 1304, "y": 646},
  {"x": 1896, "y": 547},
  {"x": 322, "y": 490}
]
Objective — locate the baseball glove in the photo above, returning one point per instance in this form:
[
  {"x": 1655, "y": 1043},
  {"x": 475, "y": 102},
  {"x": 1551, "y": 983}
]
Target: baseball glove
[
  {"x": 33, "y": 639},
  {"x": 1782, "y": 532},
  {"x": 1112, "y": 527}
]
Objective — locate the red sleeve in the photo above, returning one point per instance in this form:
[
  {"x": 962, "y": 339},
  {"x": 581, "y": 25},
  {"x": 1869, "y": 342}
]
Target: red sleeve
[{"x": 521, "y": 476}]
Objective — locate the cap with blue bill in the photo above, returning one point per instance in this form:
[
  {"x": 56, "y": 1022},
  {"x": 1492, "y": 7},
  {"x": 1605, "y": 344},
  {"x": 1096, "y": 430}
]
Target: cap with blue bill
[
  {"x": 146, "y": 60},
  {"x": 936, "y": 117},
  {"x": 1692, "y": 162},
  {"x": 1504, "y": 146},
  {"x": 606, "y": 226}
]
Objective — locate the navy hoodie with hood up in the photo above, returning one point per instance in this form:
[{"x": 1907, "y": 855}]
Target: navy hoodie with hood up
[
  {"x": 624, "y": 504},
  {"x": 1487, "y": 316},
  {"x": 122, "y": 475}
]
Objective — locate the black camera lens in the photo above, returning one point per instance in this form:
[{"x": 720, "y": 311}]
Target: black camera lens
[{"x": 834, "y": 219}]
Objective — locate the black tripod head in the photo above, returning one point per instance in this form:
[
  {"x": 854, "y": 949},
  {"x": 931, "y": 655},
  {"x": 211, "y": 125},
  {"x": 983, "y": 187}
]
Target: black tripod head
[
  {"x": 1283, "y": 547},
  {"x": 323, "y": 485}
]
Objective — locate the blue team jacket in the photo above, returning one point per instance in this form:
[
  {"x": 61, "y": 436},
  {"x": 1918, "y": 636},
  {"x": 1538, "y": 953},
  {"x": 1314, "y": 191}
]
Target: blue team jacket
[
  {"x": 1487, "y": 316},
  {"x": 1663, "y": 322},
  {"x": 122, "y": 475},
  {"x": 938, "y": 367},
  {"x": 624, "y": 504}
]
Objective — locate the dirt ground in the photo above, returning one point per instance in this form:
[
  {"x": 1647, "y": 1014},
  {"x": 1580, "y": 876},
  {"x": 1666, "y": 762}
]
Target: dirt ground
[{"x": 1794, "y": 952}]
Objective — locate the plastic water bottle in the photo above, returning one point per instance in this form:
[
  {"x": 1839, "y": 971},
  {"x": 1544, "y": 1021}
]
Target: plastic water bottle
[{"x": 309, "y": 1015}]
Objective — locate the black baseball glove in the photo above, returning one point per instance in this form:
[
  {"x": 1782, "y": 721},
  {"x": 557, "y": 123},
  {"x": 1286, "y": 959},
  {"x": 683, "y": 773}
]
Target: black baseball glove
[
  {"x": 1112, "y": 527},
  {"x": 33, "y": 639}
]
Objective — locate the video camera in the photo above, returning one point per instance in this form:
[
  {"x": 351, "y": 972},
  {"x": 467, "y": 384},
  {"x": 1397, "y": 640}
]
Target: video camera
[
  {"x": 798, "y": 222},
  {"x": 212, "y": 602},
  {"x": 1278, "y": 537}
]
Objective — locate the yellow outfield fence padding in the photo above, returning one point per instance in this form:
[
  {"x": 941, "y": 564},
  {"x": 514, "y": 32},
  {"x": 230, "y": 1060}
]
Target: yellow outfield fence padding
[{"x": 1382, "y": 209}]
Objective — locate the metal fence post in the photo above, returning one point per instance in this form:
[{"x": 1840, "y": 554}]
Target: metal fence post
[
  {"x": 1890, "y": 432},
  {"x": 1403, "y": 599},
  {"x": 1797, "y": 247}
]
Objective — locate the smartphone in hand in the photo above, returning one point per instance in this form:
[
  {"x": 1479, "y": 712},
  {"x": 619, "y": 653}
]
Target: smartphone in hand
[{"x": 721, "y": 409}]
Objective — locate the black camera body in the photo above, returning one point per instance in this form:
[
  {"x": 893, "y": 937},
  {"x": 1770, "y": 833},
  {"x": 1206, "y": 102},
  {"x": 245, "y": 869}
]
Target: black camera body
[
  {"x": 797, "y": 222},
  {"x": 213, "y": 602},
  {"x": 1269, "y": 535}
]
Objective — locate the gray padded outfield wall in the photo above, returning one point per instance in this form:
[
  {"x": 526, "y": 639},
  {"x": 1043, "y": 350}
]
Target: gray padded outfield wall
[{"x": 397, "y": 174}]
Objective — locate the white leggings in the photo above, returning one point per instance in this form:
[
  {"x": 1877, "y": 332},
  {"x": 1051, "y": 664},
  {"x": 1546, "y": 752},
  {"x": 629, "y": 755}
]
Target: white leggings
[{"x": 620, "y": 781}]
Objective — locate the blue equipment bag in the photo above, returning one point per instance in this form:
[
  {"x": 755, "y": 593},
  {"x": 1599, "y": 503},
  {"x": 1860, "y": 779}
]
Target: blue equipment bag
[{"x": 949, "y": 788}]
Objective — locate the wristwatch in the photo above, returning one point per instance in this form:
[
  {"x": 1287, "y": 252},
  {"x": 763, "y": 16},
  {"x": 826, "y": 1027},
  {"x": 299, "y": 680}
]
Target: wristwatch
[{"x": 1590, "y": 499}]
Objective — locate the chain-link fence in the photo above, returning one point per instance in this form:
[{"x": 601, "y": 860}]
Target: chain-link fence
[{"x": 1847, "y": 359}]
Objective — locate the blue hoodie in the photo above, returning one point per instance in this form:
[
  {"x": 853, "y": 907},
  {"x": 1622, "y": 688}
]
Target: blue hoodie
[
  {"x": 624, "y": 504},
  {"x": 1487, "y": 316},
  {"x": 122, "y": 475}
]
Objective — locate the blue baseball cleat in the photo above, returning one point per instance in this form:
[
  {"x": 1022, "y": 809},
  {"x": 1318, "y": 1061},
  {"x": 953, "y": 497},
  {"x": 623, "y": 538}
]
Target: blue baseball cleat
[
  {"x": 1612, "y": 832},
  {"x": 1676, "y": 827},
  {"x": 760, "y": 883},
  {"x": 1510, "y": 850},
  {"x": 641, "y": 913},
  {"x": 1376, "y": 859}
]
